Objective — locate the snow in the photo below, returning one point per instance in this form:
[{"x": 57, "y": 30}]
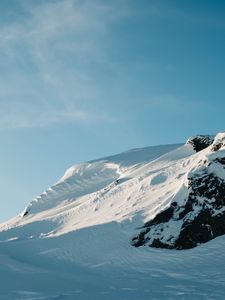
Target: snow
[
  {"x": 220, "y": 137},
  {"x": 75, "y": 241}
]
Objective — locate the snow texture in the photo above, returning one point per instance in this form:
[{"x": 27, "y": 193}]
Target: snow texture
[{"x": 75, "y": 240}]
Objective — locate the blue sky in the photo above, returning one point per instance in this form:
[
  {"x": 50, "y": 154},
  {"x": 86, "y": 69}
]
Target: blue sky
[{"x": 81, "y": 79}]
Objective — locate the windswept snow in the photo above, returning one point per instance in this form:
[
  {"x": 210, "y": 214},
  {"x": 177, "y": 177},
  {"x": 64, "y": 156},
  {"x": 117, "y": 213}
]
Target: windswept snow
[{"x": 74, "y": 240}]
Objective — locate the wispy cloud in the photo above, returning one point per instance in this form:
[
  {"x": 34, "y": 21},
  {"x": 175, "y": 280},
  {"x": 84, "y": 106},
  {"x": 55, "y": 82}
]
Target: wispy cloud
[
  {"x": 24, "y": 115},
  {"x": 48, "y": 62},
  {"x": 55, "y": 56}
]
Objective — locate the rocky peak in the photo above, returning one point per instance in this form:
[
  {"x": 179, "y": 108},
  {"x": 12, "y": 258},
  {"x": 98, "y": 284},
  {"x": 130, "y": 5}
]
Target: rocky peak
[{"x": 200, "y": 142}]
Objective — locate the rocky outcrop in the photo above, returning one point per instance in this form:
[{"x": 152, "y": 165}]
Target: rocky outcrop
[
  {"x": 200, "y": 216},
  {"x": 200, "y": 142}
]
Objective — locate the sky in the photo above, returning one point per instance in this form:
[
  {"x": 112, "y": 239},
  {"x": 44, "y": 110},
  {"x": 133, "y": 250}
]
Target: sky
[{"x": 83, "y": 79}]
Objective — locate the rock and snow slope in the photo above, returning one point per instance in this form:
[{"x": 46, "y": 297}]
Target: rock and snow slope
[
  {"x": 76, "y": 240},
  {"x": 197, "y": 214}
]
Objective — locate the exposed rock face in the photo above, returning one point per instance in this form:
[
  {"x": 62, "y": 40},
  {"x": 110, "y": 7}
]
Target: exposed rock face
[
  {"x": 200, "y": 142},
  {"x": 200, "y": 216}
]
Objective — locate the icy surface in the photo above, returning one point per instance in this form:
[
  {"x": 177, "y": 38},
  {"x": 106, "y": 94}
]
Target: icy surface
[{"x": 74, "y": 240}]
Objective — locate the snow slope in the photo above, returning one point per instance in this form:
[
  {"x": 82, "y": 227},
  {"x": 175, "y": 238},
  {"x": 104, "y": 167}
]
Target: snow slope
[{"x": 75, "y": 240}]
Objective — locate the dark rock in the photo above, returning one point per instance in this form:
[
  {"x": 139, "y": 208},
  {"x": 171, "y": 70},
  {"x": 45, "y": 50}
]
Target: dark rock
[
  {"x": 163, "y": 217},
  {"x": 25, "y": 213},
  {"x": 202, "y": 214},
  {"x": 200, "y": 142},
  {"x": 140, "y": 239},
  {"x": 217, "y": 146}
]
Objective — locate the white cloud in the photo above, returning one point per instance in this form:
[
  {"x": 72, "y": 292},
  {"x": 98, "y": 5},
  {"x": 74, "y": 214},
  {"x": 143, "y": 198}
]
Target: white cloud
[
  {"x": 23, "y": 115},
  {"x": 49, "y": 55}
]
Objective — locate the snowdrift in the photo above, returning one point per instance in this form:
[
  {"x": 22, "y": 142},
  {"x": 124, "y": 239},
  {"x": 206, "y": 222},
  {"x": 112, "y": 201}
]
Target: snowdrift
[{"x": 93, "y": 234}]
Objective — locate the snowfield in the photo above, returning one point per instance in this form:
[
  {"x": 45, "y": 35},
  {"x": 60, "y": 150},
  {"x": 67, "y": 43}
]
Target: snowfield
[{"x": 74, "y": 241}]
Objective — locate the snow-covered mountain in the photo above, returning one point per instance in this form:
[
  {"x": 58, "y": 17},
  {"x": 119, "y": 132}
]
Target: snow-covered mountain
[{"x": 88, "y": 236}]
